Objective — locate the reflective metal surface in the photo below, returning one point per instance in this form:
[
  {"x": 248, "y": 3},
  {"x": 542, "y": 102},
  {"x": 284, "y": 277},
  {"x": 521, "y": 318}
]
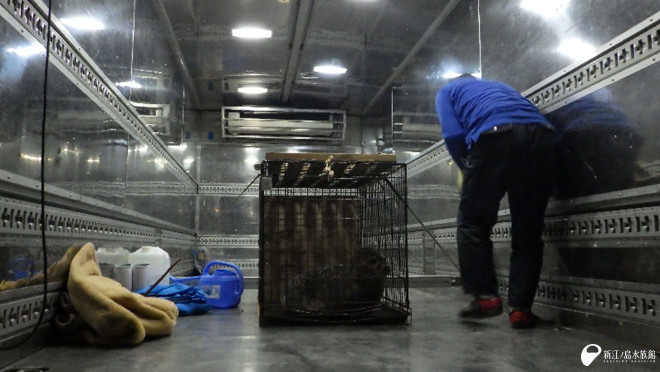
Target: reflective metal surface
[
  {"x": 134, "y": 152},
  {"x": 590, "y": 164},
  {"x": 106, "y": 166},
  {"x": 524, "y": 43}
]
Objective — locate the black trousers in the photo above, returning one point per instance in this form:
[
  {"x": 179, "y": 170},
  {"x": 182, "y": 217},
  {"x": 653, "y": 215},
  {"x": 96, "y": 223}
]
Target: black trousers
[{"x": 518, "y": 161}]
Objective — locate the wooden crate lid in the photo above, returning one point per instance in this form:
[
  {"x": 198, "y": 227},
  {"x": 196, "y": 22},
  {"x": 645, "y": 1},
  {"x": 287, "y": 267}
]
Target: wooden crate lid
[
  {"x": 319, "y": 156},
  {"x": 326, "y": 170}
]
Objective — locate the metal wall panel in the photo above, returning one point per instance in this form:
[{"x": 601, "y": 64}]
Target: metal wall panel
[
  {"x": 524, "y": 46},
  {"x": 602, "y": 247},
  {"x": 108, "y": 177}
]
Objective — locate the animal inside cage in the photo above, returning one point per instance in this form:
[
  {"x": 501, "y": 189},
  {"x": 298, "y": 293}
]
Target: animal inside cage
[{"x": 333, "y": 239}]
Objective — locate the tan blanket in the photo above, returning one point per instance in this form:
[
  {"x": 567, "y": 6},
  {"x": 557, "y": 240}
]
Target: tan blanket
[{"x": 114, "y": 315}]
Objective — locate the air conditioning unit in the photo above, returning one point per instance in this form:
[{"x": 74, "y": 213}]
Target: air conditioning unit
[
  {"x": 414, "y": 127},
  {"x": 277, "y": 123}
]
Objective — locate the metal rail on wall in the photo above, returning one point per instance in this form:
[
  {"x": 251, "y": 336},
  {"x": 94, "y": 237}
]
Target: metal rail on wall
[
  {"x": 626, "y": 228},
  {"x": 22, "y": 310},
  {"x": 622, "y": 56},
  {"x": 28, "y": 17},
  {"x": 625, "y": 219},
  {"x": 22, "y": 191},
  {"x": 70, "y": 216},
  {"x": 20, "y": 219}
]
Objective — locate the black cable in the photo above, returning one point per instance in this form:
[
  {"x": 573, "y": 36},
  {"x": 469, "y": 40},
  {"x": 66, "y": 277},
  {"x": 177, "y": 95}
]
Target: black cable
[
  {"x": 241, "y": 194},
  {"x": 422, "y": 224},
  {"x": 42, "y": 173}
]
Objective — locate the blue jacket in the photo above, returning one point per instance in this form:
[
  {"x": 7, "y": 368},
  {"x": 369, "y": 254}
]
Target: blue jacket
[{"x": 467, "y": 107}]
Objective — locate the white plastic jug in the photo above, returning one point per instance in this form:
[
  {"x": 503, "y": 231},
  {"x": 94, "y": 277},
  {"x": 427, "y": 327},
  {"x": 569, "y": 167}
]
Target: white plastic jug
[
  {"x": 114, "y": 255},
  {"x": 158, "y": 260}
]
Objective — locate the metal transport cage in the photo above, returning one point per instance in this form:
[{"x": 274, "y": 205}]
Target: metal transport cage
[{"x": 333, "y": 239}]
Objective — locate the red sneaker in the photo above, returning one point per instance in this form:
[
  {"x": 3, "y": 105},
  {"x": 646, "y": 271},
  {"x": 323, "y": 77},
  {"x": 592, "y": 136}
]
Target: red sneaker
[
  {"x": 482, "y": 308},
  {"x": 522, "y": 319}
]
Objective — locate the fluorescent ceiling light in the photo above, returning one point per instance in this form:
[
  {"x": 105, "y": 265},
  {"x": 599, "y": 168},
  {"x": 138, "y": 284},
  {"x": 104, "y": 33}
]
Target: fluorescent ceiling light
[
  {"x": 544, "y": 8},
  {"x": 251, "y": 33},
  {"x": 453, "y": 75},
  {"x": 252, "y": 90},
  {"x": 83, "y": 23},
  {"x": 30, "y": 157},
  {"x": 27, "y": 51},
  {"x": 129, "y": 84},
  {"x": 180, "y": 147},
  {"x": 332, "y": 68},
  {"x": 576, "y": 49},
  {"x": 450, "y": 75}
]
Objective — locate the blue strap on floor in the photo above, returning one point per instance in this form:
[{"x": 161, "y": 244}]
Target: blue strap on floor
[{"x": 190, "y": 300}]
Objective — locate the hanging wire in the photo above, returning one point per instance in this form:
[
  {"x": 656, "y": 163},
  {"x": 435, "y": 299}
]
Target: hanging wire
[
  {"x": 451, "y": 260},
  {"x": 42, "y": 173},
  {"x": 241, "y": 194},
  {"x": 479, "y": 34}
]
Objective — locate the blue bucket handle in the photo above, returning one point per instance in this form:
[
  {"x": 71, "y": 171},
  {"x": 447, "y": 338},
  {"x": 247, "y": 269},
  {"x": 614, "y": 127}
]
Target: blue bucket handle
[
  {"x": 209, "y": 265},
  {"x": 183, "y": 279}
]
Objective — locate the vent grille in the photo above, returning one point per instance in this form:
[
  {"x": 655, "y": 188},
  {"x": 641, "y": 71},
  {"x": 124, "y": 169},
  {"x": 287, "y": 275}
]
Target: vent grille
[{"x": 263, "y": 123}]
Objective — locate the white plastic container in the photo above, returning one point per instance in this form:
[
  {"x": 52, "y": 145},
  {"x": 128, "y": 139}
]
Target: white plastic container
[
  {"x": 158, "y": 260},
  {"x": 140, "y": 279},
  {"x": 115, "y": 255},
  {"x": 124, "y": 275}
]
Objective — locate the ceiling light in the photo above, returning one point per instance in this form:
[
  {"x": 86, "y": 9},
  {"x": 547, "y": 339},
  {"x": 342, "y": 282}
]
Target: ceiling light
[
  {"x": 330, "y": 70},
  {"x": 453, "y": 75},
  {"x": 83, "y": 23},
  {"x": 251, "y": 33},
  {"x": 333, "y": 68},
  {"x": 27, "y": 51},
  {"x": 545, "y": 8},
  {"x": 30, "y": 157},
  {"x": 180, "y": 147},
  {"x": 576, "y": 49},
  {"x": 129, "y": 84},
  {"x": 450, "y": 75},
  {"x": 252, "y": 90}
]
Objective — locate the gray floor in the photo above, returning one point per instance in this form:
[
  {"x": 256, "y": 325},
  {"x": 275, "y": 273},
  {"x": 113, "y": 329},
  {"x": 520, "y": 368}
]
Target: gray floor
[{"x": 435, "y": 340}]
